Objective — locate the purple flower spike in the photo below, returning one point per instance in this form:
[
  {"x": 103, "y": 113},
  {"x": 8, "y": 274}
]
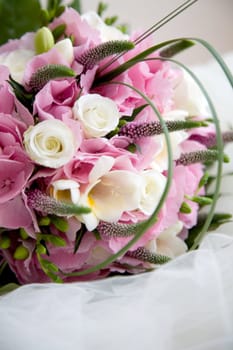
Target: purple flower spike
[
  {"x": 145, "y": 255},
  {"x": 39, "y": 201},
  {"x": 110, "y": 230}
]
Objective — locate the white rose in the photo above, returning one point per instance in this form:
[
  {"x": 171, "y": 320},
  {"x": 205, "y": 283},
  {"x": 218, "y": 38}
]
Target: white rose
[
  {"x": 189, "y": 97},
  {"x": 107, "y": 32},
  {"x": 153, "y": 184},
  {"x": 16, "y": 62},
  {"x": 50, "y": 143},
  {"x": 98, "y": 115},
  {"x": 65, "y": 191}
]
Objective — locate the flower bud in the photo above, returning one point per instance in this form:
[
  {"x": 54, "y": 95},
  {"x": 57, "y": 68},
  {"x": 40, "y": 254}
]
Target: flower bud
[
  {"x": 5, "y": 242},
  {"x": 44, "y": 40},
  {"x": 23, "y": 233},
  {"x": 44, "y": 221},
  {"x": 21, "y": 253}
]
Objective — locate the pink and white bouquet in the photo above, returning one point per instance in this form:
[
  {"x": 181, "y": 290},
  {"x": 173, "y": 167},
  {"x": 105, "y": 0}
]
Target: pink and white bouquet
[{"x": 104, "y": 144}]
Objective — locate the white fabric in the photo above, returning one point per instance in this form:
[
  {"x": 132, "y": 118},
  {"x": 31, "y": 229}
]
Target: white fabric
[{"x": 187, "y": 304}]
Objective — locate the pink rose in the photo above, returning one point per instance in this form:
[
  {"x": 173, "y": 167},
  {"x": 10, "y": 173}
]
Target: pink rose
[{"x": 56, "y": 99}]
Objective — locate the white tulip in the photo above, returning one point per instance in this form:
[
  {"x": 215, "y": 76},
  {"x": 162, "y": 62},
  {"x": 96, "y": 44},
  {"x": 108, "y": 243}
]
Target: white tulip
[
  {"x": 65, "y": 190},
  {"x": 98, "y": 115},
  {"x": 16, "y": 62},
  {"x": 153, "y": 184},
  {"x": 107, "y": 32},
  {"x": 50, "y": 143}
]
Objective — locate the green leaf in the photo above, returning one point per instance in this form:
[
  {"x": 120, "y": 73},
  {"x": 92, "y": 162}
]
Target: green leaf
[
  {"x": 5, "y": 241},
  {"x": 60, "y": 223},
  {"x": 44, "y": 221},
  {"x": 111, "y": 20},
  {"x": 8, "y": 288},
  {"x": 176, "y": 48},
  {"x": 202, "y": 200},
  {"x": 132, "y": 147},
  {"x": 136, "y": 111},
  {"x": 185, "y": 208},
  {"x": 101, "y": 8},
  {"x": 48, "y": 266},
  {"x": 76, "y": 4},
  {"x": 23, "y": 233},
  {"x": 204, "y": 180},
  {"x": 21, "y": 253},
  {"x": 79, "y": 236},
  {"x": 218, "y": 219},
  {"x": 55, "y": 240},
  {"x": 40, "y": 249},
  {"x": 59, "y": 31},
  {"x": 18, "y": 17},
  {"x": 22, "y": 95}
]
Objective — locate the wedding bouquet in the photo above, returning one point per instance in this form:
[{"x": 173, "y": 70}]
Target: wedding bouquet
[{"x": 105, "y": 143}]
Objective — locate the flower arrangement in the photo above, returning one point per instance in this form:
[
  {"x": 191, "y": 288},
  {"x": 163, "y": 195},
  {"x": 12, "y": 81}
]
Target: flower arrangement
[{"x": 104, "y": 148}]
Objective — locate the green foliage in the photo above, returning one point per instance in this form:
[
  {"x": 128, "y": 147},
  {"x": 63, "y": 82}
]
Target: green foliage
[
  {"x": 217, "y": 220},
  {"x": 17, "y": 18},
  {"x": 101, "y": 8},
  {"x": 76, "y": 4},
  {"x": 8, "y": 288},
  {"x": 58, "y": 31},
  {"x": 22, "y": 95},
  {"x": 174, "y": 49},
  {"x": 79, "y": 236}
]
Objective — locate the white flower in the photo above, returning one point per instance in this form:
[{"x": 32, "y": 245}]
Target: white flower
[
  {"x": 65, "y": 48},
  {"x": 98, "y": 115},
  {"x": 110, "y": 193},
  {"x": 160, "y": 161},
  {"x": 65, "y": 190},
  {"x": 16, "y": 62},
  {"x": 50, "y": 143},
  {"x": 153, "y": 184},
  {"x": 188, "y": 96},
  {"x": 107, "y": 32},
  {"x": 167, "y": 243}
]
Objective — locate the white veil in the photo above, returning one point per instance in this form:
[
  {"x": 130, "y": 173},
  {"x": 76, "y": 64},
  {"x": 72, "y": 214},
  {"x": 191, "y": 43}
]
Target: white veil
[{"x": 186, "y": 304}]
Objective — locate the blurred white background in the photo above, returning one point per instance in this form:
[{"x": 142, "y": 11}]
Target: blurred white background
[{"x": 207, "y": 19}]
